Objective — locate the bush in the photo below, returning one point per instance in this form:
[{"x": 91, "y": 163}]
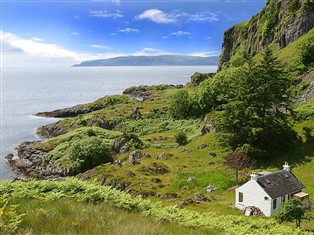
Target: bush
[
  {"x": 180, "y": 104},
  {"x": 181, "y": 138},
  {"x": 88, "y": 153}
]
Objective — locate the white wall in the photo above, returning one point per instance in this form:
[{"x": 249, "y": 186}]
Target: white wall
[{"x": 254, "y": 195}]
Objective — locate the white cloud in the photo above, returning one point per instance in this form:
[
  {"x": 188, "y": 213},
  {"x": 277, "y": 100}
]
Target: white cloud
[
  {"x": 39, "y": 49},
  {"x": 38, "y": 39},
  {"x": 100, "y": 47},
  {"x": 159, "y": 16},
  {"x": 204, "y": 17},
  {"x": 180, "y": 33},
  {"x": 75, "y": 33},
  {"x": 17, "y": 52},
  {"x": 205, "y": 53},
  {"x": 105, "y": 14},
  {"x": 128, "y": 30}
]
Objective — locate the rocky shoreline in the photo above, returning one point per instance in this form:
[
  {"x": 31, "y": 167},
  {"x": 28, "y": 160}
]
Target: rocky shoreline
[{"x": 32, "y": 162}]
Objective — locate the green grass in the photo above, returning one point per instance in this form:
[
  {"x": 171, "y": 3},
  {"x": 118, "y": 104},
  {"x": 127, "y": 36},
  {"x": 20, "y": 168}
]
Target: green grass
[
  {"x": 66, "y": 216},
  {"x": 304, "y": 110},
  {"x": 75, "y": 207},
  {"x": 202, "y": 180}
]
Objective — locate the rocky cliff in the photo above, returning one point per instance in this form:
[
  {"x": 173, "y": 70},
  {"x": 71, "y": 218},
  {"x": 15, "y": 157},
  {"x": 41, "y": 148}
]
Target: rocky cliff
[{"x": 280, "y": 22}]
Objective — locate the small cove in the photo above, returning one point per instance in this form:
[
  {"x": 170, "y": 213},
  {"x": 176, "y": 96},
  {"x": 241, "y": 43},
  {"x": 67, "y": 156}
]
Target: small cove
[{"x": 26, "y": 91}]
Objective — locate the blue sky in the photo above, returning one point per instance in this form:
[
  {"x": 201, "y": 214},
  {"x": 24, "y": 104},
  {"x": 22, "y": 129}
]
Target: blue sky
[{"x": 67, "y": 32}]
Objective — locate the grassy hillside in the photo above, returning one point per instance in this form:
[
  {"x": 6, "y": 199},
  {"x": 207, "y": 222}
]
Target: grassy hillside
[
  {"x": 74, "y": 207},
  {"x": 126, "y": 149}
]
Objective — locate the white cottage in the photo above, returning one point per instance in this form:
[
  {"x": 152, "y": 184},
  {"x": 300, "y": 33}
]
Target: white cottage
[{"x": 267, "y": 191}]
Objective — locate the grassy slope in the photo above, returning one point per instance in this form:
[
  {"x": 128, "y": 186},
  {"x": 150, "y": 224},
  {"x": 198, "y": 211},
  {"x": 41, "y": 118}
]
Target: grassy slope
[
  {"x": 75, "y": 207},
  {"x": 157, "y": 132},
  {"x": 66, "y": 216}
]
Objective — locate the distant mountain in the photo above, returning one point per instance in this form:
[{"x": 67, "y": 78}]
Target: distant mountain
[{"x": 152, "y": 61}]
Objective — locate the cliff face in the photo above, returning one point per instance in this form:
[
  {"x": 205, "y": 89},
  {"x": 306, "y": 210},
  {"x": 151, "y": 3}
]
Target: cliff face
[{"x": 280, "y": 22}]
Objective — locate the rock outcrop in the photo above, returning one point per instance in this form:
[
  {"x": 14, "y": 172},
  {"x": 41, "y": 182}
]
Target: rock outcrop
[
  {"x": 69, "y": 112},
  {"x": 280, "y": 22},
  {"x": 33, "y": 163},
  {"x": 51, "y": 130}
]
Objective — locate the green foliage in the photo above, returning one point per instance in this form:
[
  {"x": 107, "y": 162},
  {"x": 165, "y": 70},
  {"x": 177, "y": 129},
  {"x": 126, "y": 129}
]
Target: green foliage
[
  {"x": 10, "y": 219},
  {"x": 149, "y": 126},
  {"x": 88, "y": 153},
  {"x": 180, "y": 104},
  {"x": 240, "y": 57},
  {"x": 304, "y": 110},
  {"x": 291, "y": 211},
  {"x": 197, "y": 78},
  {"x": 307, "y": 54},
  {"x": 218, "y": 91},
  {"x": 181, "y": 138},
  {"x": 77, "y": 190},
  {"x": 254, "y": 111},
  {"x": 65, "y": 147},
  {"x": 202, "y": 180},
  {"x": 293, "y": 6}
]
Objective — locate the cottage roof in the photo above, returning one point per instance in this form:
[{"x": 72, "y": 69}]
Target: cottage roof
[{"x": 280, "y": 183}]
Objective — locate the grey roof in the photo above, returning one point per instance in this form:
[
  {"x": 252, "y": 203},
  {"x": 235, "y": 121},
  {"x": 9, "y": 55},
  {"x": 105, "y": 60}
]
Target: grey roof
[{"x": 280, "y": 183}]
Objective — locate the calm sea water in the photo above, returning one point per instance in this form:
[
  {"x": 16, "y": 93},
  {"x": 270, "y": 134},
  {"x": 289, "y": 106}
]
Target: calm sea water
[{"x": 26, "y": 91}]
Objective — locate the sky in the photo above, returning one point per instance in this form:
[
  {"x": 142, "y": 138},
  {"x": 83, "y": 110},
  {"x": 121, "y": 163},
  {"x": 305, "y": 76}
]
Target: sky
[{"x": 54, "y": 32}]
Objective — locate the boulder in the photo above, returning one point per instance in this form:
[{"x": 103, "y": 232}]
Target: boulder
[
  {"x": 135, "y": 157},
  {"x": 213, "y": 154},
  {"x": 191, "y": 179},
  {"x": 23, "y": 163},
  {"x": 202, "y": 146},
  {"x": 120, "y": 145},
  {"x": 210, "y": 188},
  {"x": 164, "y": 155}
]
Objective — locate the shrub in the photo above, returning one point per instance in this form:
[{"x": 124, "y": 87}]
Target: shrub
[
  {"x": 181, "y": 138},
  {"x": 88, "y": 153}
]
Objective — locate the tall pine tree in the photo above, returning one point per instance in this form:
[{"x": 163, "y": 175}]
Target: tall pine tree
[{"x": 256, "y": 115}]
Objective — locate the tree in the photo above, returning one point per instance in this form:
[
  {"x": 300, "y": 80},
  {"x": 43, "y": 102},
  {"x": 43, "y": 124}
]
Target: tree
[
  {"x": 290, "y": 211},
  {"x": 88, "y": 153},
  {"x": 255, "y": 111},
  {"x": 239, "y": 161}
]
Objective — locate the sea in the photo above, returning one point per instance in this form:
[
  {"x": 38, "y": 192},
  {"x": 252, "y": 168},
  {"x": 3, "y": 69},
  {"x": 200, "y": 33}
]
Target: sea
[{"x": 26, "y": 91}]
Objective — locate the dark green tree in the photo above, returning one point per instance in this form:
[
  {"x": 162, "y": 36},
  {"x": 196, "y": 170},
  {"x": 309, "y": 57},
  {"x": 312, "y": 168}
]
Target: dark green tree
[{"x": 255, "y": 112}]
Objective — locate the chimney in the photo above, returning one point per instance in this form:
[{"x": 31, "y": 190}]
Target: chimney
[
  {"x": 286, "y": 167},
  {"x": 253, "y": 176}
]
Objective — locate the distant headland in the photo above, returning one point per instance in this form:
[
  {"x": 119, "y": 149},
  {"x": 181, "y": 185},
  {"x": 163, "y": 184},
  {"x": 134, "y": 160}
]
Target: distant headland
[{"x": 161, "y": 60}]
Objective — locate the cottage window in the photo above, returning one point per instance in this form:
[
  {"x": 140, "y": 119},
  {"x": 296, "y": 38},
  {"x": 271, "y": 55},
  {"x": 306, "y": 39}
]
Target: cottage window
[
  {"x": 274, "y": 203},
  {"x": 240, "y": 197}
]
